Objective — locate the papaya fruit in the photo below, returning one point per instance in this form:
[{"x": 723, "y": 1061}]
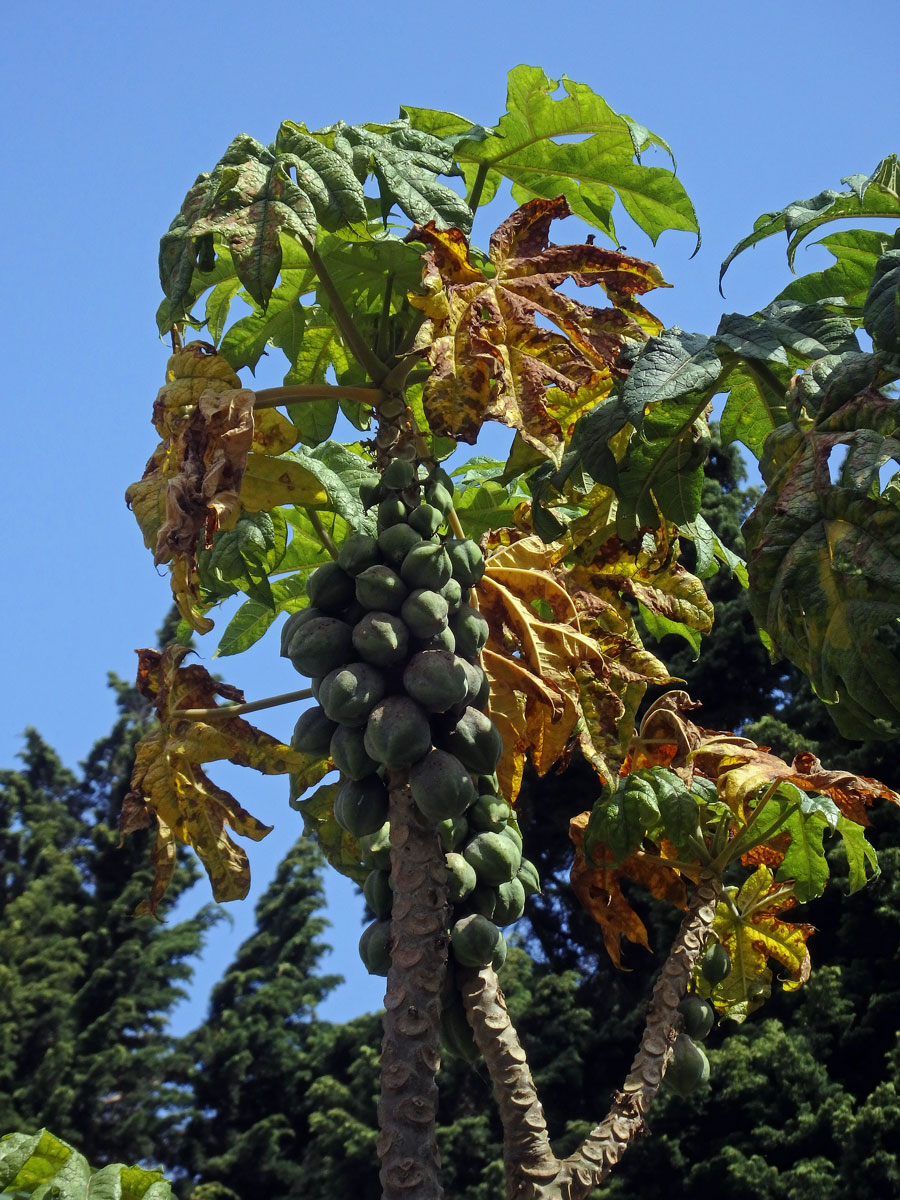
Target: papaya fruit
[
  {"x": 488, "y": 785},
  {"x": 349, "y": 753},
  {"x": 482, "y": 899},
  {"x": 475, "y": 740},
  {"x": 426, "y": 566},
  {"x": 396, "y": 541},
  {"x": 489, "y": 812},
  {"x": 426, "y": 519},
  {"x": 470, "y": 630},
  {"x": 378, "y": 893},
  {"x": 330, "y": 588},
  {"x": 688, "y": 1068},
  {"x": 441, "y": 641},
  {"x": 349, "y": 693},
  {"x": 358, "y": 551},
  {"x": 479, "y": 689},
  {"x": 312, "y": 733},
  {"x": 424, "y": 613},
  {"x": 436, "y": 679},
  {"x": 397, "y": 732},
  {"x": 699, "y": 1016},
  {"x": 382, "y": 639},
  {"x": 461, "y": 877},
  {"x": 510, "y": 902},
  {"x": 292, "y": 624},
  {"x": 361, "y": 806},
  {"x": 453, "y": 594},
  {"x": 375, "y": 947},
  {"x": 375, "y": 848},
  {"x": 439, "y": 495},
  {"x": 510, "y": 831},
  {"x": 715, "y": 964},
  {"x": 370, "y": 492},
  {"x": 320, "y": 645},
  {"x": 466, "y": 561},
  {"x": 379, "y": 589},
  {"x": 441, "y": 786},
  {"x": 499, "y": 956},
  {"x": 474, "y": 940},
  {"x": 529, "y": 878},
  {"x": 400, "y": 473},
  {"x": 495, "y": 858},
  {"x": 452, "y": 832},
  {"x": 391, "y": 511}
]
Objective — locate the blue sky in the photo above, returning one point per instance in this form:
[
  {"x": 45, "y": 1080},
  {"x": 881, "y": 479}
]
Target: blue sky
[{"x": 110, "y": 112}]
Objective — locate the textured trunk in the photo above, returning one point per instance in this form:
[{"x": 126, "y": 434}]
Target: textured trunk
[{"x": 410, "y": 1057}]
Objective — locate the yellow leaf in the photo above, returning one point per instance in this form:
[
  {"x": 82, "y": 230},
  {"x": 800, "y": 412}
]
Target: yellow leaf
[
  {"x": 273, "y": 433},
  {"x": 268, "y": 482}
]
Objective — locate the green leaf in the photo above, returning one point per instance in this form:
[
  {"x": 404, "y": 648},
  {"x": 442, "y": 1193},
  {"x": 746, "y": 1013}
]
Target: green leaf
[
  {"x": 881, "y": 312},
  {"x": 326, "y": 177},
  {"x": 669, "y": 367},
  {"x": 44, "y": 1166},
  {"x": 658, "y": 625},
  {"x": 615, "y": 825},
  {"x": 589, "y": 173},
  {"x": 486, "y": 506},
  {"x": 862, "y": 861},
  {"x": 856, "y": 252},
  {"x": 709, "y": 548},
  {"x": 804, "y": 861},
  {"x": 254, "y": 618}
]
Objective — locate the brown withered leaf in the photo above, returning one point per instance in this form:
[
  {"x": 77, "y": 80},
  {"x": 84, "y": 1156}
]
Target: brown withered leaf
[
  {"x": 491, "y": 359},
  {"x": 169, "y": 783},
  {"x": 598, "y": 887}
]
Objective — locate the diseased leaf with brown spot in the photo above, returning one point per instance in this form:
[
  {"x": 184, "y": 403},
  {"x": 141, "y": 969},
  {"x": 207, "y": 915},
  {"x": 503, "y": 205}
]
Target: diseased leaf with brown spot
[
  {"x": 492, "y": 360},
  {"x": 598, "y": 888},
  {"x": 168, "y": 781}
]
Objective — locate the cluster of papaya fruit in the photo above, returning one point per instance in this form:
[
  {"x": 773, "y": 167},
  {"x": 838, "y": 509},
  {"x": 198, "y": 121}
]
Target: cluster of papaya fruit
[
  {"x": 689, "y": 1066},
  {"x": 392, "y": 647}
]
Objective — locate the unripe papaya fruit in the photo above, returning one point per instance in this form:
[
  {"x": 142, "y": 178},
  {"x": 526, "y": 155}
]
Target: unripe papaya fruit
[
  {"x": 509, "y": 831},
  {"x": 379, "y": 589},
  {"x": 375, "y": 848},
  {"x": 397, "y": 733},
  {"x": 396, "y": 542},
  {"x": 470, "y": 630},
  {"x": 441, "y": 641},
  {"x": 495, "y": 858},
  {"x": 452, "y": 832},
  {"x": 715, "y": 964},
  {"x": 461, "y": 877},
  {"x": 466, "y": 561},
  {"x": 378, "y": 893},
  {"x": 479, "y": 688},
  {"x": 489, "y": 812},
  {"x": 330, "y": 588},
  {"x": 699, "y": 1016},
  {"x": 382, "y": 639},
  {"x": 499, "y": 955},
  {"x": 688, "y": 1068},
  {"x": 400, "y": 473},
  {"x": 475, "y": 740},
  {"x": 292, "y": 624},
  {"x": 375, "y": 947},
  {"x": 425, "y": 613},
  {"x": 488, "y": 785},
  {"x": 426, "y": 519},
  {"x": 439, "y": 495},
  {"x": 527, "y": 875},
  {"x": 358, "y": 552},
  {"x": 441, "y": 786},
  {"x": 312, "y": 733},
  {"x": 453, "y": 594},
  {"x": 426, "y": 566},
  {"x": 320, "y": 645},
  {"x": 361, "y": 806},
  {"x": 391, "y": 511},
  {"x": 510, "y": 902},
  {"x": 482, "y": 899},
  {"x": 475, "y": 940},
  {"x": 370, "y": 492},
  {"x": 348, "y": 750},
  {"x": 349, "y": 693},
  {"x": 436, "y": 679}
]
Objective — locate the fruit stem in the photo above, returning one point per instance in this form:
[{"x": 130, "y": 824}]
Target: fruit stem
[
  {"x": 324, "y": 536},
  {"x": 236, "y": 710},
  {"x": 299, "y": 393}
]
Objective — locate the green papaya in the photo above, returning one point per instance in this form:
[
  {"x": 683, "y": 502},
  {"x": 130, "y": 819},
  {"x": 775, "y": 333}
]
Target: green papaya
[
  {"x": 488, "y": 785},
  {"x": 715, "y": 964},
  {"x": 461, "y": 877},
  {"x": 320, "y": 645},
  {"x": 452, "y": 832},
  {"x": 499, "y": 956},
  {"x": 349, "y": 693},
  {"x": 475, "y": 940},
  {"x": 453, "y": 594},
  {"x": 396, "y": 541},
  {"x": 375, "y": 848},
  {"x": 475, "y": 740},
  {"x": 489, "y": 812},
  {"x": 347, "y": 748},
  {"x": 426, "y": 519},
  {"x": 426, "y": 566},
  {"x": 400, "y": 473},
  {"x": 466, "y": 561},
  {"x": 688, "y": 1067},
  {"x": 529, "y": 878},
  {"x": 441, "y": 641},
  {"x": 699, "y": 1016},
  {"x": 441, "y": 786},
  {"x": 378, "y": 893},
  {"x": 479, "y": 688},
  {"x": 382, "y": 639},
  {"x": 358, "y": 551},
  {"x": 292, "y": 624},
  {"x": 375, "y": 947},
  {"x": 439, "y": 496},
  {"x": 510, "y": 902},
  {"x": 470, "y": 630},
  {"x": 482, "y": 899},
  {"x": 330, "y": 588},
  {"x": 391, "y": 511},
  {"x": 397, "y": 732},
  {"x": 424, "y": 613},
  {"x": 361, "y": 806},
  {"x": 379, "y": 589},
  {"x": 495, "y": 858},
  {"x": 312, "y": 733},
  {"x": 370, "y": 492},
  {"x": 510, "y": 831},
  {"x": 436, "y": 679}
]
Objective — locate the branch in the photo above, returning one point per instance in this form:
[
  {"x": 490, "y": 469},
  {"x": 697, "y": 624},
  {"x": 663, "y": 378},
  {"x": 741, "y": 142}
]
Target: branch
[
  {"x": 297, "y": 393},
  {"x": 356, "y": 343},
  {"x": 410, "y": 1055},
  {"x": 236, "y": 710},
  {"x": 526, "y": 1146}
]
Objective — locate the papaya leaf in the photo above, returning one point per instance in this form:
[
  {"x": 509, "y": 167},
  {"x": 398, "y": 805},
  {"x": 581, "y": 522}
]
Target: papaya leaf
[
  {"x": 340, "y": 848},
  {"x": 856, "y": 251},
  {"x": 241, "y": 559},
  {"x": 711, "y": 551},
  {"x": 862, "y": 861},
  {"x": 591, "y": 172},
  {"x": 43, "y": 1165},
  {"x": 804, "y": 863},
  {"x": 485, "y": 507},
  {"x": 253, "y": 618},
  {"x": 491, "y": 359},
  {"x": 169, "y": 784},
  {"x": 881, "y": 311}
]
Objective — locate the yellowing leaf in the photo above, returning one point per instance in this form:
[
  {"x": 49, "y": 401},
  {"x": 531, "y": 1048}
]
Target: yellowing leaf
[
  {"x": 269, "y": 482},
  {"x": 492, "y": 360},
  {"x": 169, "y": 783}
]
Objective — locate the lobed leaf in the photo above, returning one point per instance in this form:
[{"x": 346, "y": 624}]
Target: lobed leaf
[{"x": 42, "y": 1165}]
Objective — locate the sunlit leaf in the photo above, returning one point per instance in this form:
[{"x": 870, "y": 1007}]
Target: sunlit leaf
[
  {"x": 340, "y": 848},
  {"x": 44, "y": 1166}
]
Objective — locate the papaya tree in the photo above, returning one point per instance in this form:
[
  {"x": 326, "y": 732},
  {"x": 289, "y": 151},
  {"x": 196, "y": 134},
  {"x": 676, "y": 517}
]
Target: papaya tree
[{"x": 455, "y": 616}]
